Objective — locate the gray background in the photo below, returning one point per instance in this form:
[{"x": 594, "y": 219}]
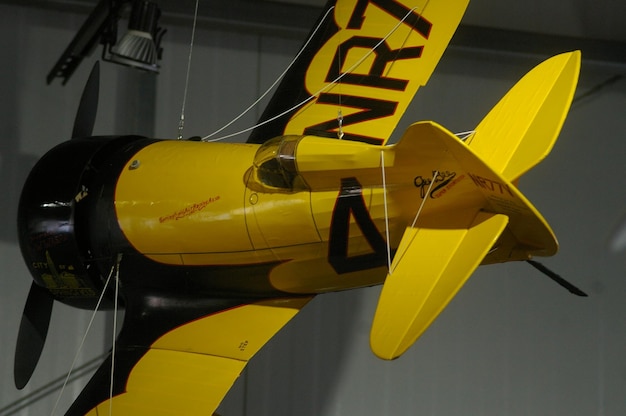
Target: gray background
[{"x": 512, "y": 342}]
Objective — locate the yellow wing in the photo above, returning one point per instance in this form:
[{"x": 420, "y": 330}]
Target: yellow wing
[
  {"x": 360, "y": 69},
  {"x": 189, "y": 369}
]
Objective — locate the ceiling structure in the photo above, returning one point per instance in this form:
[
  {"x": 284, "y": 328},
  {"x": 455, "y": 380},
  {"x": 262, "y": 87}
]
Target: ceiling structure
[
  {"x": 577, "y": 18},
  {"x": 529, "y": 26}
]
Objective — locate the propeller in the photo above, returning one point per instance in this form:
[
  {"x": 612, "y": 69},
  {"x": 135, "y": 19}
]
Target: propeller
[
  {"x": 86, "y": 114},
  {"x": 32, "y": 335},
  {"x": 38, "y": 309},
  {"x": 567, "y": 285}
]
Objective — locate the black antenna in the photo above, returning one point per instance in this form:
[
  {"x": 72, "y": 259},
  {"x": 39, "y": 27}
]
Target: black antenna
[{"x": 567, "y": 285}]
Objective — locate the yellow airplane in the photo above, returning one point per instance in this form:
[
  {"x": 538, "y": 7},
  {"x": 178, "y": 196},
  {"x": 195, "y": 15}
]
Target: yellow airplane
[{"x": 213, "y": 247}]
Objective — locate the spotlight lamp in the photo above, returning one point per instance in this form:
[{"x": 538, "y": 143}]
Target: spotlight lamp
[{"x": 139, "y": 47}]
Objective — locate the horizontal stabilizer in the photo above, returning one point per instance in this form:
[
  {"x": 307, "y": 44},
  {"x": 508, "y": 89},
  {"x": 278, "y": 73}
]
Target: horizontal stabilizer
[
  {"x": 429, "y": 268},
  {"x": 521, "y": 129}
]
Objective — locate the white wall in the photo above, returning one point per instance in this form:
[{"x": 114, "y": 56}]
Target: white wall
[{"x": 512, "y": 342}]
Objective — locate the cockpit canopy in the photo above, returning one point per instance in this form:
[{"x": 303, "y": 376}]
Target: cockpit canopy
[{"x": 275, "y": 164}]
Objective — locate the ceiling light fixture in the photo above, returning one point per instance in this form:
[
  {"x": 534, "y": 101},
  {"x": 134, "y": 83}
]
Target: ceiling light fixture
[{"x": 139, "y": 48}]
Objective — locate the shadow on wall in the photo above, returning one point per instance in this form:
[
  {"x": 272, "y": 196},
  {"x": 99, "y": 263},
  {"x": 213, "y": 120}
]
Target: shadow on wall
[
  {"x": 14, "y": 167},
  {"x": 299, "y": 370}
]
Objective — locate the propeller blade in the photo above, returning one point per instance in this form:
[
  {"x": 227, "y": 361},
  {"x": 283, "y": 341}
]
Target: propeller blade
[
  {"x": 32, "y": 335},
  {"x": 88, "y": 107},
  {"x": 567, "y": 285}
]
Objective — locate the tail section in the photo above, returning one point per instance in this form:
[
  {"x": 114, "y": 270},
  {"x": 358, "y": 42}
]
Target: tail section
[
  {"x": 360, "y": 69},
  {"x": 522, "y": 128},
  {"x": 435, "y": 258}
]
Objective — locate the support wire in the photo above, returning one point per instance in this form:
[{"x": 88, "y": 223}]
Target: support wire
[
  {"x": 312, "y": 96},
  {"x": 181, "y": 123},
  {"x": 382, "y": 164},
  {"x": 82, "y": 342}
]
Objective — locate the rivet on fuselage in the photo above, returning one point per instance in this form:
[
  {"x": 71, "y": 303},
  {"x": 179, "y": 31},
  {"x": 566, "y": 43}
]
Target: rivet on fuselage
[
  {"x": 134, "y": 164},
  {"x": 254, "y": 198}
]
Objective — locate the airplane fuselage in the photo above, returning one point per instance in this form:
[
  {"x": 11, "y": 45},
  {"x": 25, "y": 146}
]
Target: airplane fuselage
[
  {"x": 218, "y": 219},
  {"x": 296, "y": 215}
]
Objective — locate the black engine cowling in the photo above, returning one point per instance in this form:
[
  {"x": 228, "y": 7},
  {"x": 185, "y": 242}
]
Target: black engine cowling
[{"x": 60, "y": 200}]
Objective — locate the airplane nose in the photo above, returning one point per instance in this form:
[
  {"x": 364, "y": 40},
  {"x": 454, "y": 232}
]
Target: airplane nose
[{"x": 48, "y": 224}]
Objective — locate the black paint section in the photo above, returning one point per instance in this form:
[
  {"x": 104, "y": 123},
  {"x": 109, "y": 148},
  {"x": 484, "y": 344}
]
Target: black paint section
[
  {"x": 397, "y": 10},
  {"x": 350, "y": 202},
  {"x": 372, "y": 109},
  {"x": 291, "y": 90},
  {"x": 383, "y": 55}
]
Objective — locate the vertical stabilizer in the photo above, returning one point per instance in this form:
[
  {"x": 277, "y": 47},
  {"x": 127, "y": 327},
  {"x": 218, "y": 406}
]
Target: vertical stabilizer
[{"x": 522, "y": 128}]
